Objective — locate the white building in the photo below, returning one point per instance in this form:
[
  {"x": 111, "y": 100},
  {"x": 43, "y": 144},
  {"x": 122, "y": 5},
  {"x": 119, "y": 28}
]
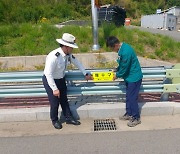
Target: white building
[
  {"x": 168, "y": 19},
  {"x": 173, "y": 10}
]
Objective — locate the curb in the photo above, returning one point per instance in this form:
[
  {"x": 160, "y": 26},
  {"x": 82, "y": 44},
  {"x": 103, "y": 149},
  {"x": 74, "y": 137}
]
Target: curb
[{"x": 91, "y": 110}]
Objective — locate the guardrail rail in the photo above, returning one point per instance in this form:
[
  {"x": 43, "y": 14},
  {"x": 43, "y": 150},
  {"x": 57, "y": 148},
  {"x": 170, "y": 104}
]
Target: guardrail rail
[{"x": 29, "y": 84}]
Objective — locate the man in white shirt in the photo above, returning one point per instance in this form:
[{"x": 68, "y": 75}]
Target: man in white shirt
[{"x": 54, "y": 79}]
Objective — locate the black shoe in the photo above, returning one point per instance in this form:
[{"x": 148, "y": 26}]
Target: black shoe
[
  {"x": 57, "y": 125},
  {"x": 72, "y": 121}
]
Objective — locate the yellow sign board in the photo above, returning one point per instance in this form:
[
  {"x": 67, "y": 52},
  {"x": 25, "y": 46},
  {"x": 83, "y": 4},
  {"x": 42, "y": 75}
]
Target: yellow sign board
[{"x": 103, "y": 76}]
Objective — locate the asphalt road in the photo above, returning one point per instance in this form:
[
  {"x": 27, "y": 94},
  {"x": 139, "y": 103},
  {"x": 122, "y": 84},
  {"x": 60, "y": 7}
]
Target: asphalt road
[
  {"x": 155, "y": 135},
  {"x": 173, "y": 34},
  {"x": 136, "y": 142}
]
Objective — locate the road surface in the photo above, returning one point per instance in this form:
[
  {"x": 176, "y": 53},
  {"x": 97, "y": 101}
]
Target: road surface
[{"x": 156, "y": 134}]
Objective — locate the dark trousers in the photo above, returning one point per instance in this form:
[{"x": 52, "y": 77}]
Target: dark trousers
[
  {"x": 132, "y": 91},
  {"x": 55, "y": 101}
]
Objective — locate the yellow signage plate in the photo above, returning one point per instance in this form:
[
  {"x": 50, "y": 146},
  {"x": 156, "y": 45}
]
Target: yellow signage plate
[{"x": 103, "y": 76}]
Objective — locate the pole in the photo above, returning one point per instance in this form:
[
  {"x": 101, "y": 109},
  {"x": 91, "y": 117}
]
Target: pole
[{"x": 94, "y": 26}]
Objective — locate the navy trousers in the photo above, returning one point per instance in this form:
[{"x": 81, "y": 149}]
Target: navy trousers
[
  {"x": 55, "y": 101},
  {"x": 132, "y": 91}
]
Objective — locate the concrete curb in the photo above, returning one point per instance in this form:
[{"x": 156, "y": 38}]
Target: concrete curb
[
  {"x": 87, "y": 59},
  {"x": 93, "y": 110}
]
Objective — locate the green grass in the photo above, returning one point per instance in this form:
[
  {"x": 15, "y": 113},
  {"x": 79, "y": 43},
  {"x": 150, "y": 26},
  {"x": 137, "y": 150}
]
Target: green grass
[{"x": 39, "y": 39}]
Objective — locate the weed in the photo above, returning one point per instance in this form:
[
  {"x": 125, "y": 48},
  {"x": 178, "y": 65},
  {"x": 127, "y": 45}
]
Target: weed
[
  {"x": 39, "y": 67},
  {"x": 103, "y": 63}
]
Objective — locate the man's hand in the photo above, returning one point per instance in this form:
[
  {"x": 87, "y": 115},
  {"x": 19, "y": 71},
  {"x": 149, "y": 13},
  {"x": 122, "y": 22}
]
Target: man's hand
[
  {"x": 114, "y": 78},
  {"x": 56, "y": 93},
  {"x": 89, "y": 77}
]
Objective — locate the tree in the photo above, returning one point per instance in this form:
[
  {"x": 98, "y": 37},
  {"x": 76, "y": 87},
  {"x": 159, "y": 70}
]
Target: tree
[{"x": 172, "y": 3}]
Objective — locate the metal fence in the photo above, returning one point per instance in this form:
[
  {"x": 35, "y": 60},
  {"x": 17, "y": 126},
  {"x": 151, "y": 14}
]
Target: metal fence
[{"x": 155, "y": 80}]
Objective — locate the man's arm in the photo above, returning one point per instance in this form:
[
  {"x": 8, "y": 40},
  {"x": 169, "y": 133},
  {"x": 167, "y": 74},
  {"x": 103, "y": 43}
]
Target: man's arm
[
  {"x": 80, "y": 67},
  {"x": 49, "y": 68}
]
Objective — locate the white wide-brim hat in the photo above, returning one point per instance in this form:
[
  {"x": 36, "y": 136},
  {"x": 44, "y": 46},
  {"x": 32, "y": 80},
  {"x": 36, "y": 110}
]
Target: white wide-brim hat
[{"x": 68, "y": 40}]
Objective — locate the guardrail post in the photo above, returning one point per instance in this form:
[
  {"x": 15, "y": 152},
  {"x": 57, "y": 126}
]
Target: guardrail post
[
  {"x": 171, "y": 82},
  {"x": 165, "y": 96}
]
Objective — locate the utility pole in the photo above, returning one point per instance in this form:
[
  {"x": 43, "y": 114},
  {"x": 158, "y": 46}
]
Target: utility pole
[{"x": 95, "y": 24}]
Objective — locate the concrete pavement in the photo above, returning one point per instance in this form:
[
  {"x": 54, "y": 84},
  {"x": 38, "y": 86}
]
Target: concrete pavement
[
  {"x": 39, "y": 128},
  {"x": 34, "y": 121}
]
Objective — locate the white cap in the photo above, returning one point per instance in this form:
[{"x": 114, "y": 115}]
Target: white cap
[{"x": 68, "y": 40}]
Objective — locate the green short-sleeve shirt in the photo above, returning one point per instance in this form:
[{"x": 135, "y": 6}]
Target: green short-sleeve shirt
[{"x": 129, "y": 67}]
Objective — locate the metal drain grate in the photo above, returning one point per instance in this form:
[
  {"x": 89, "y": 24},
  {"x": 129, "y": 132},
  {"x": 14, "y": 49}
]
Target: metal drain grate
[{"x": 104, "y": 124}]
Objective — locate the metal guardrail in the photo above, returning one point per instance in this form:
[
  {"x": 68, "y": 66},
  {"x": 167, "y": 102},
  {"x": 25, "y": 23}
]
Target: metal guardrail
[
  {"x": 70, "y": 75},
  {"x": 19, "y": 84}
]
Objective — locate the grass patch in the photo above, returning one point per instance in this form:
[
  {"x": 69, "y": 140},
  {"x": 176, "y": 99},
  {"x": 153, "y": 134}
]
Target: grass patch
[{"x": 39, "y": 39}]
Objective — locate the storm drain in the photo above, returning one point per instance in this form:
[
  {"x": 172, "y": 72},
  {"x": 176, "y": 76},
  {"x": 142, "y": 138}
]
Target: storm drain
[{"x": 104, "y": 124}]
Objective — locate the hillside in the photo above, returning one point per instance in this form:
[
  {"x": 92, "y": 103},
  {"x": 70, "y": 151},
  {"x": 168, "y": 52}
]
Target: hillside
[
  {"x": 28, "y": 40},
  {"x": 30, "y": 31},
  {"x": 19, "y": 11}
]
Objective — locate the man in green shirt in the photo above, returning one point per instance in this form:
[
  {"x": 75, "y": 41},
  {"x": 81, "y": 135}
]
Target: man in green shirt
[{"x": 130, "y": 70}]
